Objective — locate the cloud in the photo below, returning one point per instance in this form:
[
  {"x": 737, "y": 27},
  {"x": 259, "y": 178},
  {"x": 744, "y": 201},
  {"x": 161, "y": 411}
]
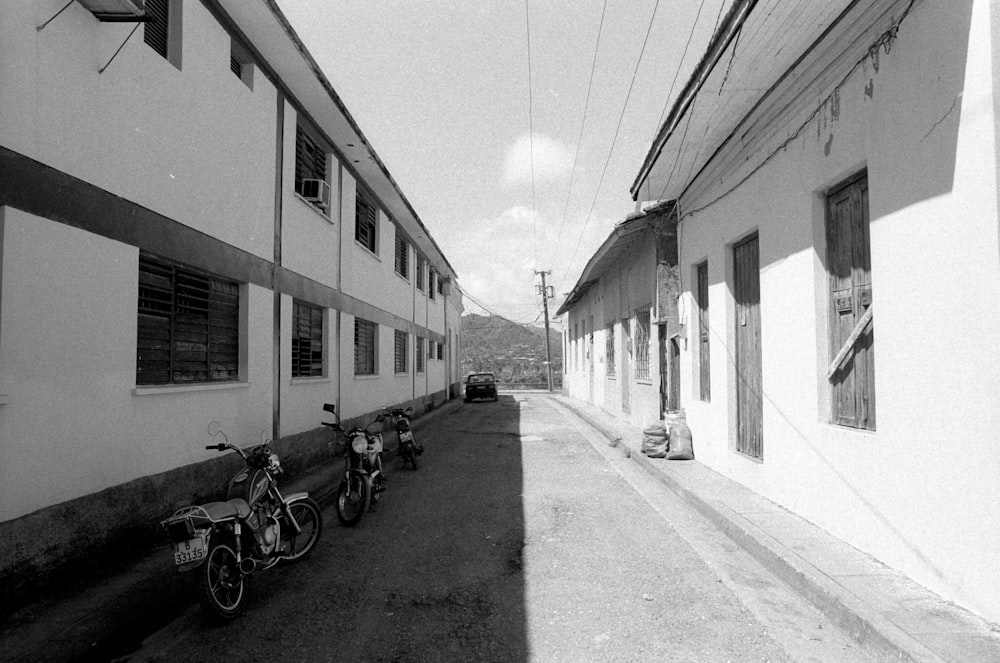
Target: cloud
[
  {"x": 496, "y": 259},
  {"x": 549, "y": 158}
]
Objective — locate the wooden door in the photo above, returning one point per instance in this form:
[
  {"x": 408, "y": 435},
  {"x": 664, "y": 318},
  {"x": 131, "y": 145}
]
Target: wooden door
[{"x": 749, "y": 405}]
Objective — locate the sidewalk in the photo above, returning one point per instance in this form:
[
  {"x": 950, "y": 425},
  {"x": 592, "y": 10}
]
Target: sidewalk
[
  {"x": 99, "y": 618},
  {"x": 891, "y": 616}
]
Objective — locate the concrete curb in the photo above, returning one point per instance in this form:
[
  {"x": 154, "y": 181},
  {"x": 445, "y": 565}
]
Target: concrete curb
[{"x": 877, "y": 634}]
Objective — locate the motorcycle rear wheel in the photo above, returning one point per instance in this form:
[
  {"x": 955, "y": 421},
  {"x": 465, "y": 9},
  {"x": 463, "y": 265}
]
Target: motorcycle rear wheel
[
  {"x": 310, "y": 520},
  {"x": 222, "y": 586},
  {"x": 353, "y": 498}
]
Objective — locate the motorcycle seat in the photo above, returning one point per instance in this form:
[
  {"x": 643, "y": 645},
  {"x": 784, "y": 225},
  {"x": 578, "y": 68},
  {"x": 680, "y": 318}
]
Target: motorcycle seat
[{"x": 217, "y": 511}]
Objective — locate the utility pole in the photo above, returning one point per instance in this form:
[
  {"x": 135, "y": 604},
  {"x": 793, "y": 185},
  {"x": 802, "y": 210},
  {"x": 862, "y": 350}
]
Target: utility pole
[{"x": 546, "y": 293}]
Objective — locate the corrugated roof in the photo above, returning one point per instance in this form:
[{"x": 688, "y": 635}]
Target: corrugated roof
[
  {"x": 760, "y": 60},
  {"x": 618, "y": 244}
]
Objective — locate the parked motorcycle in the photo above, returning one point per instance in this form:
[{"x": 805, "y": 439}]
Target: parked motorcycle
[
  {"x": 254, "y": 529},
  {"x": 408, "y": 448},
  {"x": 362, "y": 483}
]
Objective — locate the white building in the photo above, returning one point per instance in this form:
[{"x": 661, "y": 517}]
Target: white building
[
  {"x": 193, "y": 228},
  {"x": 835, "y": 167}
]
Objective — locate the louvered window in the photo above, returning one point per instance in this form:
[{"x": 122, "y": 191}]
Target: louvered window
[
  {"x": 400, "y": 363},
  {"x": 431, "y": 279},
  {"x": 310, "y": 160},
  {"x": 188, "y": 329},
  {"x": 440, "y": 351},
  {"x": 365, "y": 227},
  {"x": 609, "y": 349},
  {"x": 307, "y": 340},
  {"x": 402, "y": 257},
  {"x": 642, "y": 344},
  {"x": 156, "y": 30},
  {"x": 419, "y": 354},
  {"x": 365, "y": 347},
  {"x": 421, "y": 266}
]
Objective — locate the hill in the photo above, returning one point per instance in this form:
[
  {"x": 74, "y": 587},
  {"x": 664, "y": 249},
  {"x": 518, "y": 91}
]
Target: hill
[{"x": 515, "y": 353}]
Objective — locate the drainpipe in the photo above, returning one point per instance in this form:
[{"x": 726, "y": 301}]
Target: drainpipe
[{"x": 279, "y": 149}]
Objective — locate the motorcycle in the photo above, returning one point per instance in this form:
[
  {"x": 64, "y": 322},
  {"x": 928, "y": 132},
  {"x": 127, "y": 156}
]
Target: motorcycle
[
  {"x": 364, "y": 481},
  {"x": 408, "y": 448},
  {"x": 255, "y": 528}
]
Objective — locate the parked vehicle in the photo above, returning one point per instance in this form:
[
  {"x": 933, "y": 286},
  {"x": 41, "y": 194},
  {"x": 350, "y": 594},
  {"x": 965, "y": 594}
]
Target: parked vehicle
[
  {"x": 480, "y": 385},
  {"x": 363, "y": 482},
  {"x": 408, "y": 448},
  {"x": 255, "y": 528}
]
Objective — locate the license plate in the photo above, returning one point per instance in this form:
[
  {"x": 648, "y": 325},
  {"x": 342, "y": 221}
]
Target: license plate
[{"x": 190, "y": 551}]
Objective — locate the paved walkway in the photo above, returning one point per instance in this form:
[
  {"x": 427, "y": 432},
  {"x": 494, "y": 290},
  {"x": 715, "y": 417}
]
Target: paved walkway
[
  {"x": 890, "y": 615},
  {"x": 893, "y": 617}
]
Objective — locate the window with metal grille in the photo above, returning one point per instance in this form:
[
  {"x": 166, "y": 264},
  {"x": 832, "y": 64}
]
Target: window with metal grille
[
  {"x": 419, "y": 353},
  {"x": 189, "y": 325},
  {"x": 642, "y": 344},
  {"x": 609, "y": 349},
  {"x": 421, "y": 266},
  {"x": 852, "y": 335},
  {"x": 440, "y": 285},
  {"x": 365, "y": 347},
  {"x": 366, "y": 224},
  {"x": 156, "y": 30},
  {"x": 307, "y": 340},
  {"x": 431, "y": 277},
  {"x": 402, "y": 257},
  {"x": 310, "y": 161},
  {"x": 704, "y": 356},
  {"x": 401, "y": 363},
  {"x": 440, "y": 349}
]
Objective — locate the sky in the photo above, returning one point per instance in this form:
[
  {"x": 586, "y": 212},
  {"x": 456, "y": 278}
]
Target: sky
[{"x": 513, "y": 168}]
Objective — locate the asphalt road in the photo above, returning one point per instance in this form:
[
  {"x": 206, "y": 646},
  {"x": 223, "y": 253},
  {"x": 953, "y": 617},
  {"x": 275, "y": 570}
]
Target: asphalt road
[{"x": 522, "y": 537}]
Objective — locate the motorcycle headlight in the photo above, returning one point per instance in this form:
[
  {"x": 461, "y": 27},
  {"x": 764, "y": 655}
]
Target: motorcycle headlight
[
  {"x": 274, "y": 463},
  {"x": 359, "y": 444}
]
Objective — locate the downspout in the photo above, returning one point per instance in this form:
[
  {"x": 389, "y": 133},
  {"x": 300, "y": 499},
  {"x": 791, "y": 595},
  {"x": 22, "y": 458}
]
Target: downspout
[
  {"x": 338, "y": 337},
  {"x": 447, "y": 354},
  {"x": 279, "y": 148}
]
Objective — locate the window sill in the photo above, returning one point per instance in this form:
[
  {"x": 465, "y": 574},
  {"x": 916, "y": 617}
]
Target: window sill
[
  {"x": 368, "y": 251},
  {"x": 366, "y": 377},
  {"x": 323, "y": 215},
  {"x": 188, "y": 388},
  {"x": 322, "y": 379},
  {"x": 644, "y": 381}
]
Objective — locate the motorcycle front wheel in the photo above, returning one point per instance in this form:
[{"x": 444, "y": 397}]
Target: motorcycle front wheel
[
  {"x": 353, "y": 497},
  {"x": 410, "y": 455},
  {"x": 222, "y": 585},
  {"x": 310, "y": 520}
]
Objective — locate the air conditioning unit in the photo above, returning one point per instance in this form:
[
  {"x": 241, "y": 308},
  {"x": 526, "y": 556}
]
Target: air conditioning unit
[{"x": 316, "y": 191}]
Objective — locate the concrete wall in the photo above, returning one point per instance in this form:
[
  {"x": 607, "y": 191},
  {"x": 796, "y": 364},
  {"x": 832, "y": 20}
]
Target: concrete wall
[{"x": 920, "y": 492}]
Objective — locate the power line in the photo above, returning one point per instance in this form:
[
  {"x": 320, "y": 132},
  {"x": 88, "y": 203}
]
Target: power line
[
  {"x": 680, "y": 64},
  {"x": 617, "y": 131},
  {"x": 586, "y": 107},
  {"x": 531, "y": 135}
]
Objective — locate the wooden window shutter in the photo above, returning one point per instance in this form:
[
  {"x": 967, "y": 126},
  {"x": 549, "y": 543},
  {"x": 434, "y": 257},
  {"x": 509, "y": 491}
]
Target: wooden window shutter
[{"x": 852, "y": 336}]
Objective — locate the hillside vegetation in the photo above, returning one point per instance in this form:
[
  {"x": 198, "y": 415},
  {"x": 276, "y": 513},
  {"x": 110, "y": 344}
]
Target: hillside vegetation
[{"x": 515, "y": 353}]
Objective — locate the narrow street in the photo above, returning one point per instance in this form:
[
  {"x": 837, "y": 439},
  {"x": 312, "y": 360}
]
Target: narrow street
[{"x": 523, "y": 536}]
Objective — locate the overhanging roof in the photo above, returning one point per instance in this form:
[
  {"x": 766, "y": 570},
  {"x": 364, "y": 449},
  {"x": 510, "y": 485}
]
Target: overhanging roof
[
  {"x": 293, "y": 69},
  {"x": 765, "y": 55},
  {"x": 618, "y": 244}
]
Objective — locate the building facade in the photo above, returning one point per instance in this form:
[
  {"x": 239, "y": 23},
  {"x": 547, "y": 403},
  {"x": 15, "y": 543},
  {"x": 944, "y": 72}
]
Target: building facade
[
  {"x": 193, "y": 228},
  {"x": 620, "y": 336},
  {"x": 840, "y": 269}
]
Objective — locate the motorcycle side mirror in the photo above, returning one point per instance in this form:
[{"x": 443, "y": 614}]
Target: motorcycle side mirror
[
  {"x": 408, "y": 412},
  {"x": 215, "y": 429}
]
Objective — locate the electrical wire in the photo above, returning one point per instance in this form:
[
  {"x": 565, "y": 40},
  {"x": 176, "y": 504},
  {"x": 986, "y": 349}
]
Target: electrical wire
[
  {"x": 614, "y": 141},
  {"x": 583, "y": 123},
  {"x": 670, "y": 92},
  {"x": 531, "y": 135}
]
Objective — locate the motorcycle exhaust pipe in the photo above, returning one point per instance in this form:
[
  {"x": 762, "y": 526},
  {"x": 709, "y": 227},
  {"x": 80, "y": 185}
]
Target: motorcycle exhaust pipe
[{"x": 248, "y": 566}]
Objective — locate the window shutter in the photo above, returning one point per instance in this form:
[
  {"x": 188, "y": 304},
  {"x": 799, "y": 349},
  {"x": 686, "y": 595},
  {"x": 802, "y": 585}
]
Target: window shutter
[
  {"x": 307, "y": 340},
  {"x": 364, "y": 347},
  {"x": 155, "y": 30}
]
